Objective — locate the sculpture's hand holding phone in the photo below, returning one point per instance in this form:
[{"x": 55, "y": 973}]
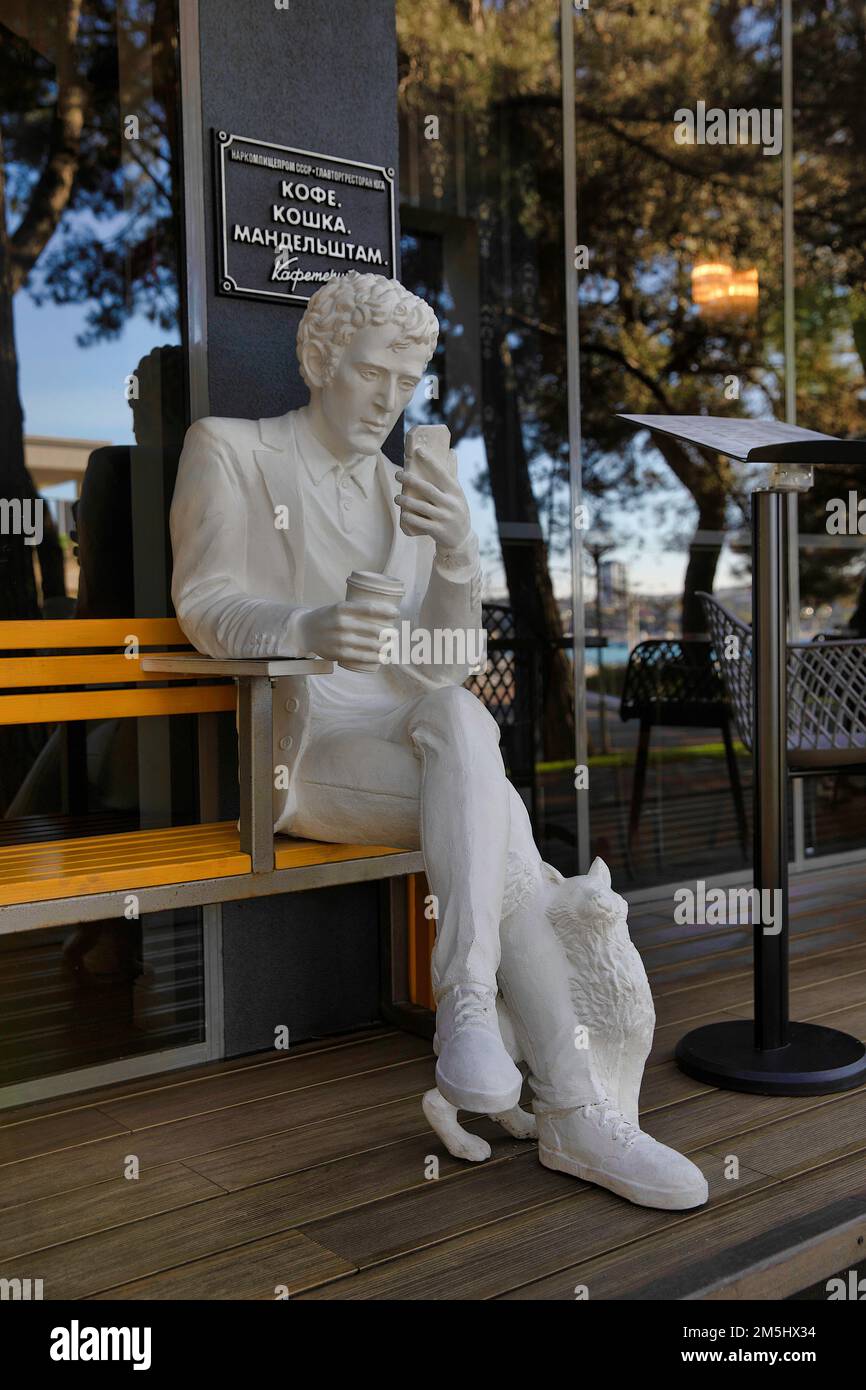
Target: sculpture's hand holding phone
[{"x": 431, "y": 499}]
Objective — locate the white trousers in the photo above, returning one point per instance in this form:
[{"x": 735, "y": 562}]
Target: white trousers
[{"x": 428, "y": 774}]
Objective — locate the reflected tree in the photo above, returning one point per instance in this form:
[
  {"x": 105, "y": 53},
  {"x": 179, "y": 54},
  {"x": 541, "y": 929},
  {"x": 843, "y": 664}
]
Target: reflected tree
[
  {"x": 650, "y": 209},
  {"x": 89, "y": 212},
  {"x": 86, "y": 200}
]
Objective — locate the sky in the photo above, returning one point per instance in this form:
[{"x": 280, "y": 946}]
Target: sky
[
  {"x": 75, "y": 392},
  {"x": 654, "y": 567}
]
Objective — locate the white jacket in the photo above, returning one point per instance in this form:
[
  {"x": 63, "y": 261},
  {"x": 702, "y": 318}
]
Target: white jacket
[{"x": 238, "y": 578}]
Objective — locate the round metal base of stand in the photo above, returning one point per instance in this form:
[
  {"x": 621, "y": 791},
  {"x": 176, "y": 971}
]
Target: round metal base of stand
[{"x": 814, "y": 1061}]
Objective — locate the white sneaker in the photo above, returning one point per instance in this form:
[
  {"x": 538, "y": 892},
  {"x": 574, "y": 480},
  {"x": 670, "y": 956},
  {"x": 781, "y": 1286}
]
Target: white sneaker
[
  {"x": 474, "y": 1071},
  {"x": 597, "y": 1143}
]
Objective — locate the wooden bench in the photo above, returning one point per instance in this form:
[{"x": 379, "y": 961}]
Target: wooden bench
[{"x": 72, "y": 670}]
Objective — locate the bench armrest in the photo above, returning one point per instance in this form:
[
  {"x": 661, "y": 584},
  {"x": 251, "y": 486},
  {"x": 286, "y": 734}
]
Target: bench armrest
[
  {"x": 254, "y": 722},
  {"x": 194, "y": 664}
]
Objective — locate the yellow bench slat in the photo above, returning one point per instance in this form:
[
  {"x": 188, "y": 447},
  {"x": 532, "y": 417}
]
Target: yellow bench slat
[
  {"x": 57, "y": 868},
  {"x": 16, "y": 861},
  {"x": 55, "y": 707},
  {"x": 150, "y": 859},
  {"x": 199, "y": 831},
  {"x": 298, "y": 854},
  {"x": 105, "y": 669},
  {"x": 27, "y": 634},
  {"x": 139, "y": 846}
]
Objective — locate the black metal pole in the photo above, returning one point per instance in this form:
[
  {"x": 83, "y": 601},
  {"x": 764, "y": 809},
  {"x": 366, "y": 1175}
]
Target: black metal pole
[{"x": 769, "y": 666}]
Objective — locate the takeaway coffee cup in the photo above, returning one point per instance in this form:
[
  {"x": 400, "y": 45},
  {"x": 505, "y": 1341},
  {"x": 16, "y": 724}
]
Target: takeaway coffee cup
[{"x": 367, "y": 584}]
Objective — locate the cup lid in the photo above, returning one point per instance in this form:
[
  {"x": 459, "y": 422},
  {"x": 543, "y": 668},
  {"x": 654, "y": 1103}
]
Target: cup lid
[{"x": 377, "y": 583}]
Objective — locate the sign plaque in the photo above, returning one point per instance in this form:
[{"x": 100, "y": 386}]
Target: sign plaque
[{"x": 289, "y": 219}]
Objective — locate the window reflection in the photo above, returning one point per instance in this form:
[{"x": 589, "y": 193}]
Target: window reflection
[
  {"x": 830, "y": 72},
  {"x": 681, "y": 313},
  {"x": 92, "y": 415},
  {"x": 481, "y": 182},
  {"x": 90, "y": 259}
]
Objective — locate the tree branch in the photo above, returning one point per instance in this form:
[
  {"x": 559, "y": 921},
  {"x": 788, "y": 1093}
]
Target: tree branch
[
  {"x": 617, "y": 355},
  {"x": 51, "y": 193}
]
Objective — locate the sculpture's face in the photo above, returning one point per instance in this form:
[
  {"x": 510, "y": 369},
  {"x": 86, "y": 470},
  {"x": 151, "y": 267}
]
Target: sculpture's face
[{"x": 371, "y": 387}]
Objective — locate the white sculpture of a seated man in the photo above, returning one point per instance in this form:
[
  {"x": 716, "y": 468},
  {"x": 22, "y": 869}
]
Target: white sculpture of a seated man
[{"x": 268, "y": 520}]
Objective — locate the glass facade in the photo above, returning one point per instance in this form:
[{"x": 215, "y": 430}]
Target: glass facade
[
  {"x": 93, "y": 410},
  {"x": 830, "y": 363},
  {"x": 683, "y": 310},
  {"x": 691, "y": 298},
  {"x": 670, "y": 228},
  {"x": 481, "y": 181}
]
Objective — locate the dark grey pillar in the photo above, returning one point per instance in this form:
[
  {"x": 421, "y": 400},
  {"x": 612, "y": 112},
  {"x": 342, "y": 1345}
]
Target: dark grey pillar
[{"x": 320, "y": 75}]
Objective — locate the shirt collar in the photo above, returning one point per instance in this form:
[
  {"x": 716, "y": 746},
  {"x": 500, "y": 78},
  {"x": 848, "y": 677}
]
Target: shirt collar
[{"x": 319, "y": 462}]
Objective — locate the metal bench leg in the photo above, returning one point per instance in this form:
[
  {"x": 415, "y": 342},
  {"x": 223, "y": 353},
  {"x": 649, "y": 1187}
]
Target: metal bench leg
[{"x": 256, "y": 770}]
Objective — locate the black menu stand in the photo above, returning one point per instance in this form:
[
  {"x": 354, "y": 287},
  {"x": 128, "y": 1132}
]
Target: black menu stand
[{"x": 769, "y": 1055}]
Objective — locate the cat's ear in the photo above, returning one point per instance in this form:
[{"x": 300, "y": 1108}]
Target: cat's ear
[{"x": 599, "y": 871}]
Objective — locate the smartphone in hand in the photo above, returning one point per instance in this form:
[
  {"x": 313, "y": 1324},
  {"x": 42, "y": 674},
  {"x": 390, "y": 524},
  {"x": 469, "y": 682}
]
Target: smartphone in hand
[{"x": 435, "y": 440}]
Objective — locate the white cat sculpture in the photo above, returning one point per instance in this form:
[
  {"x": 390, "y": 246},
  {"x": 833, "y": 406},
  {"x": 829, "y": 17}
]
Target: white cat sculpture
[{"x": 611, "y": 999}]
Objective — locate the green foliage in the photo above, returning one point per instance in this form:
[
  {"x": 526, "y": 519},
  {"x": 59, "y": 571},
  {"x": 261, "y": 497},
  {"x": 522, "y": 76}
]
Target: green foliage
[{"x": 649, "y": 210}]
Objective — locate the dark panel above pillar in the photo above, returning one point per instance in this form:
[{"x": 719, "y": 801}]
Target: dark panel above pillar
[{"x": 320, "y": 75}]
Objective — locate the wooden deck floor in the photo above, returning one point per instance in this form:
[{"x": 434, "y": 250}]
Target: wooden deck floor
[{"x": 309, "y": 1171}]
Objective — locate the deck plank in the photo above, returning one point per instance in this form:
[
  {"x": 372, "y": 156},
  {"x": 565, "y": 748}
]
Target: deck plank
[
  {"x": 165, "y": 1105},
  {"x": 191, "y": 1138},
  {"x": 427, "y": 1217},
  {"x": 310, "y": 1171},
  {"x": 828, "y": 1131},
  {"x": 55, "y": 1132},
  {"x": 435, "y": 1211},
  {"x": 109, "y": 1258},
  {"x": 277, "y": 1155},
  {"x": 622, "y": 1273},
  {"x": 679, "y": 1004},
  {"x": 669, "y": 943},
  {"x": 462, "y": 1196},
  {"x": 197, "y": 1074},
  {"x": 701, "y": 1122},
  {"x": 490, "y": 1259},
  {"x": 847, "y": 932},
  {"x": 822, "y": 1001},
  {"x": 281, "y": 1266},
  {"x": 52, "y": 1220}
]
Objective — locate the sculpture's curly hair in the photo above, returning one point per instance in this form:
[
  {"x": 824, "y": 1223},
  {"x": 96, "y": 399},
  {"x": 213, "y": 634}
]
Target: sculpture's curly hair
[{"x": 352, "y": 301}]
